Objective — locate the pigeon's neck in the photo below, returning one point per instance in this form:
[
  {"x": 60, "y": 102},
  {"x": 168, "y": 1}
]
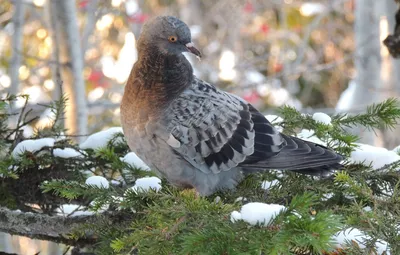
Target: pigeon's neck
[
  {"x": 155, "y": 66},
  {"x": 157, "y": 78}
]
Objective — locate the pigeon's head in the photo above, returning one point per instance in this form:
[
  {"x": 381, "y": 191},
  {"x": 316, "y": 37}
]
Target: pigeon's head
[{"x": 169, "y": 35}]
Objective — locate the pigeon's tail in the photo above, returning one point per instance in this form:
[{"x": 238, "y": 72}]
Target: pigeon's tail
[{"x": 300, "y": 156}]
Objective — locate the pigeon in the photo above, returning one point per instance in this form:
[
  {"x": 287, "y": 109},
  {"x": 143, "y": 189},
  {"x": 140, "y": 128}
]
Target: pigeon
[{"x": 194, "y": 134}]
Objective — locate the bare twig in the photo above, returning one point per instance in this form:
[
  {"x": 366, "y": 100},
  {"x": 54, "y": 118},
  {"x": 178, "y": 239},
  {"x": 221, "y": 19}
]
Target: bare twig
[
  {"x": 174, "y": 228},
  {"x": 66, "y": 250},
  {"x": 21, "y": 125},
  {"x": 39, "y": 59},
  {"x": 5, "y": 17}
]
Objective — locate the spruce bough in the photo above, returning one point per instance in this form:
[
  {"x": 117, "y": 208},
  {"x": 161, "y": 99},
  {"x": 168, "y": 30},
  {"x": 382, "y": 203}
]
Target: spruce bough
[{"x": 174, "y": 221}]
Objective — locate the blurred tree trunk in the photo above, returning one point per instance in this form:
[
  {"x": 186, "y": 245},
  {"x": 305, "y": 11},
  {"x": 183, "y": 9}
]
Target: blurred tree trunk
[
  {"x": 367, "y": 58},
  {"x": 90, "y": 24},
  {"x": 71, "y": 60},
  {"x": 55, "y": 54},
  {"x": 17, "y": 49}
]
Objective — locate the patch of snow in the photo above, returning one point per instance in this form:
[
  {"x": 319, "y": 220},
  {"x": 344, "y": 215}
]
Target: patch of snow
[
  {"x": 257, "y": 213},
  {"x": 309, "y": 135},
  {"x": 350, "y": 196},
  {"x": 382, "y": 246},
  {"x": 376, "y": 156},
  {"x": 235, "y": 216},
  {"x": 386, "y": 189},
  {"x": 118, "y": 199},
  {"x": 132, "y": 159},
  {"x": 46, "y": 119},
  {"x": 72, "y": 210},
  {"x": 240, "y": 199},
  {"x": 67, "y": 153},
  {"x": 100, "y": 139},
  {"x": 354, "y": 234},
  {"x": 397, "y": 150},
  {"x": 87, "y": 173},
  {"x": 115, "y": 182},
  {"x": 102, "y": 209},
  {"x": 268, "y": 184},
  {"x": 327, "y": 196},
  {"x": 146, "y": 183},
  {"x": 348, "y": 235},
  {"x": 120, "y": 180},
  {"x": 278, "y": 173},
  {"x": 11, "y": 168},
  {"x": 275, "y": 120},
  {"x": 322, "y": 117},
  {"x": 367, "y": 209},
  {"x": 32, "y": 146},
  {"x": 27, "y": 131},
  {"x": 98, "y": 181},
  {"x": 61, "y": 137}
]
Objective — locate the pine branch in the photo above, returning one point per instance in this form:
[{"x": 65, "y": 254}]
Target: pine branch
[
  {"x": 385, "y": 114},
  {"x": 45, "y": 227},
  {"x": 173, "y": 221}
]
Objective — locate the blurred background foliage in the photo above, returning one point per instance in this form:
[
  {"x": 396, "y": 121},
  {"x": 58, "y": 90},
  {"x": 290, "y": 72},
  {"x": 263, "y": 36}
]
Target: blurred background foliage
[{"x": 269, "y": 52}]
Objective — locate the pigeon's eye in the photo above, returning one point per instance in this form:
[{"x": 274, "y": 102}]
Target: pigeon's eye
[{"x": 172, "y": 38}]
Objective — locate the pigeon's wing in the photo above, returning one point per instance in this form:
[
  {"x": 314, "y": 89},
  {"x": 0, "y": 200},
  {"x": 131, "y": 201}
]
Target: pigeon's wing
[
  {"x": 215, "y": 131},
  {"x": 296, "y": 154}
]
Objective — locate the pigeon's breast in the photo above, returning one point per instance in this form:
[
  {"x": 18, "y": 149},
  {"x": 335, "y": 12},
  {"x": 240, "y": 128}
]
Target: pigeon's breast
[{"x": 146, "y": 140}]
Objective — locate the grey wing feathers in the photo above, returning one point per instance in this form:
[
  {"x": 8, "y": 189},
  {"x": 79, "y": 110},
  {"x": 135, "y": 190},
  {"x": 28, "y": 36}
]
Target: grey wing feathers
[
  {"x": 216, "y": 131},
  {"x": 268, "y": 141}
]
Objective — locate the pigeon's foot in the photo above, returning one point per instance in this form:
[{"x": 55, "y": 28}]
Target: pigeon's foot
[{"x": 193, "y": 193}]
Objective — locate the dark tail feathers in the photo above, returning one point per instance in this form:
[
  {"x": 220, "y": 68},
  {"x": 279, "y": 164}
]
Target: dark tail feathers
[{"x": 300, "y": 156}]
